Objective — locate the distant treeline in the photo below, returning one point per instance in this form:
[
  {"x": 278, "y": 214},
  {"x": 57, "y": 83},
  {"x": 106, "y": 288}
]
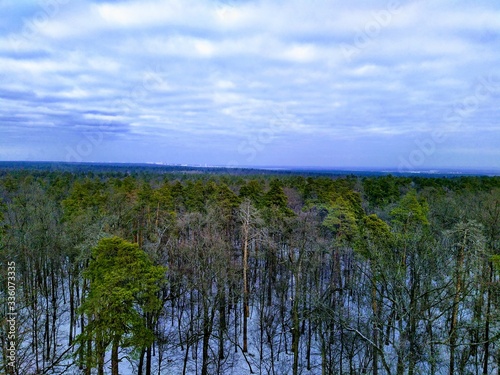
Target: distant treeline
[{"x": 194, "y": 271}]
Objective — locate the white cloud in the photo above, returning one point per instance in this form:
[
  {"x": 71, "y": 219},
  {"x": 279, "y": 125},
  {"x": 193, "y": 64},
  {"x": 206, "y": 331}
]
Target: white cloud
[{"x": 219, "y": 71}]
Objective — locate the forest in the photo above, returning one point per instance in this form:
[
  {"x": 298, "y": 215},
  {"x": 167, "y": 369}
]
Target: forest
[{"x": 146, "y": 271}]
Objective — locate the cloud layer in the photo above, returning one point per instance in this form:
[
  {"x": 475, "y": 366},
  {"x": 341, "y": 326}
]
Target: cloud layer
[{"x": 397, "y": 84}]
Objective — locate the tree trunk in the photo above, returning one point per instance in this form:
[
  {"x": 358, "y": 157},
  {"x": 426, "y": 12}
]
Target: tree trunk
[
  {"x": 296, "y": 332},
  {"x": 186, "y": 357},
  {"x": 375, "y": 328},
  {"x": 295, "y": 336},
  {"x": 207, "y": 331},
  {"x": 71, "y": 308},
  {"x": 114, "y": 356},
  {"x": 148, "y": 360},
  {"x": 487, "y": 324},
  {"x": 246, "y": 309},
  {"x": 400, "y": 369},
  {"x": 456, "y": 300},
  {"x": 100, "y": 351},
  {"x": 412, "y": 332},
  {"x": 308, "y": 350},
  {"x": 88, "y": 366},
  {"x": 222, "y": 324},
  {"x": 141, "y": 362}
]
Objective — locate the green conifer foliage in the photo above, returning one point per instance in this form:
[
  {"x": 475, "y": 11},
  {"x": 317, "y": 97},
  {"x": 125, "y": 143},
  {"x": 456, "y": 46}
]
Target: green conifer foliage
[{"x": 123, "y": 287}]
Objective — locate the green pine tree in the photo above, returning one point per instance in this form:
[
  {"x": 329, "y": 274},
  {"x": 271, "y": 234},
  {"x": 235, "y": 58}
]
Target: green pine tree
[{"x": 123, "y": 287}]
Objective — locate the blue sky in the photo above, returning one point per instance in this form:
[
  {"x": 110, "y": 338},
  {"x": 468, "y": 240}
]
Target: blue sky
[{"x": 328, "y": 83}]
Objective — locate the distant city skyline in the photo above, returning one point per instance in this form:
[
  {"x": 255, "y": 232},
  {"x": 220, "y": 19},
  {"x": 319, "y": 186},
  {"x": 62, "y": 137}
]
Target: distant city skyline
[{"x": 399, "y": 85}]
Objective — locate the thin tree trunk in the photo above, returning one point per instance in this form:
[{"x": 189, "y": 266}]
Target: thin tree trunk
[
  {"x": 400, "y": 366},
  {"x": 412, "y": 319},
  {"x": 487, "y": 324},
  {"x": 100, "y": 355},
  {"x": 309, "y": 340},
  {"x": 295, "y": 337},
  {"x": 114, "y": 357},
  {"x": 454, "y": 314},
  {"x": 71, "y": 309},
  {"x": 222, "y": 324},
  {"x": 207, "y": 331},
  {"x": 88, "y": 366},
  {"x": 141, "y": 362},
  {"x": 246, "y": 309},
  {"x": 375, "y": 328},
  {"x": 148, "y": 359},
  {"x": 186, "y": 357}
]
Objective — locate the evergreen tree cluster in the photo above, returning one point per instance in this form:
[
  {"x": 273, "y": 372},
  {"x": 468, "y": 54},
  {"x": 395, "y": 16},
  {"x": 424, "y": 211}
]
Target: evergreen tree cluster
[{"x": 213, "y": 273}]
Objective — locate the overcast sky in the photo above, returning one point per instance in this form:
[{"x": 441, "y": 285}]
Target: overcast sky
[{"x": 330, "y": 83}]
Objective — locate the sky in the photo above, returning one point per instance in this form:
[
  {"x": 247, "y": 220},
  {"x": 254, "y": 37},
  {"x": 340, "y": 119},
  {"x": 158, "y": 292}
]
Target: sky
[{"x": 406, "y": 85}]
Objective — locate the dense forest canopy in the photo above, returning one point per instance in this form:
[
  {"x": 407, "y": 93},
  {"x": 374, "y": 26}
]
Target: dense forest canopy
[{"x": 193, "y": 271}]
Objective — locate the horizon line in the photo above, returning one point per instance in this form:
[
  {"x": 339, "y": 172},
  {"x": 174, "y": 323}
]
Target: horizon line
[{"x": 312, "y": 168}]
